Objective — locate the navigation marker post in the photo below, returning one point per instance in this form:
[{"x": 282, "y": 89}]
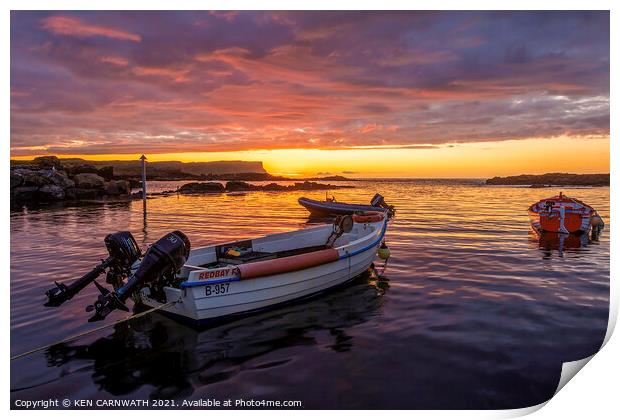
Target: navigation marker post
[{"x": 143, "y": 159}]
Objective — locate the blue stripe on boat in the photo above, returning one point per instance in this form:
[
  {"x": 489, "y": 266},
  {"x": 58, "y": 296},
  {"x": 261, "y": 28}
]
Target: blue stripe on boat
[{"x": 367, "y": 247}]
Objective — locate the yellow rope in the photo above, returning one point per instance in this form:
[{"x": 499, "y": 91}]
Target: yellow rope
[{"x": 73, "y": 337}]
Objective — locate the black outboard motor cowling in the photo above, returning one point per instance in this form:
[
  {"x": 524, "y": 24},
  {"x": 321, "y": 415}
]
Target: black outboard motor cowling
[
  {"x": 379, "y": 201},
  {"x": 123, "y": 248},
  {"x": 123, "y": 251},
  {"x": 164, "y": 257}
]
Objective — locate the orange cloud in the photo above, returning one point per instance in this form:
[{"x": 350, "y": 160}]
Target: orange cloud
[
  {"x": 70, "y": 26},
  {"x": 369, "y": 128},
  {"x": 204, "y": 81},
  {"x": 174, "y": 74},
  {"x": 119, "y": 61}
]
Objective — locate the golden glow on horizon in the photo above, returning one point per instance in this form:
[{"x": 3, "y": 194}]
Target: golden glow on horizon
[{"x": 484, "y": 159}]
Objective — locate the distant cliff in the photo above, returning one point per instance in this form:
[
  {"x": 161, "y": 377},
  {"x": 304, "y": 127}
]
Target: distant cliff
[
  {"x": 594, "y": 180},
  {"x": 169, "y": 170}
]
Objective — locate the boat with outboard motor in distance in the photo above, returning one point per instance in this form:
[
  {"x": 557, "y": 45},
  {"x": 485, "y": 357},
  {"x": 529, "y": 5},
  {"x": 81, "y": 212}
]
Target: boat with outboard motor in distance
[
  {"x": 331, "y": 207},
  {"x": 219, "y": 281},
  {"x": 564, "y": 214}
]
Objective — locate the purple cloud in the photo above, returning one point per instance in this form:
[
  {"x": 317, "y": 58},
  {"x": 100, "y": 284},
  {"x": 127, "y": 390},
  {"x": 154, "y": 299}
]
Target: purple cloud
[{"x": 118, "y": 82}]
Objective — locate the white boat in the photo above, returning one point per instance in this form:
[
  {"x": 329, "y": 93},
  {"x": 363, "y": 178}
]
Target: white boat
[{"x": 268, "y": 271}]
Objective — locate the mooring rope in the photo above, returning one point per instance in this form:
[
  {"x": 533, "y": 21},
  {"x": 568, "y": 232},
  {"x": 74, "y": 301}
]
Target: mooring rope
[
  {"x": 73, "y": 337},
  {"x": 384, "y": 266}
]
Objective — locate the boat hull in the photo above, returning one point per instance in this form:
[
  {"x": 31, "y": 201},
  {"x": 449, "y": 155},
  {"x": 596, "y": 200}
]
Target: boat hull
[
  {"x": 327, "y": 208},
  {"x": 189, "y": 320},
  {"x": 562, "y": 214},
  {"x": 573, "y": 223},
  {"x": 203, "y": 302}
]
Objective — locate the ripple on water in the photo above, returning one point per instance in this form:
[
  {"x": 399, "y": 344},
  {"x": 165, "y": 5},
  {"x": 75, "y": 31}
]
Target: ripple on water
[{"x": 473, "y": 311}]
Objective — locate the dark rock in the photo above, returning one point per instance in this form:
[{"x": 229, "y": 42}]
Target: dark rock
[
  {"x": 58, "y": 178},
  {"x": 82, "y": 168},
  {"x": 81, "y": 193},
  {"x": 34, "y": 179},
  {"x": 211, "y": 187},
  {"x": 29, "y": 168},
  {"x": 552, "y": 179},
  {"x": 201, "y": 187},
  {"x": 107, "y": 172},
  {"x": 23, "y": 171},
  {"x": 88, "y": 181},
  {"x": 306, "y": 185},
  {"x": 51, "y": 192},
  {"x": 330, "y": 178},
  {"x": 24, "y": 193},
  {"x": 313, "y": 186},
  {"x": 135, "y": 183},
  {"x": 273, "y": 187},
  {"x": 16, "y": 179},
  {"x": 120, "y": 187},
  {"x": 70, "y": 194},
  {"x": 238, "y": 186},
  {"x": 47, "y": 162}
]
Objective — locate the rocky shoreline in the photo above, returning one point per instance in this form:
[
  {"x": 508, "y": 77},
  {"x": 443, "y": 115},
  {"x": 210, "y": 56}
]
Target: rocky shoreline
[
  {"x": 130, "y": 170},
  {"x": 241, "y": 186},
  {"x": 552, "y": 180},
  {"x": 46, "y": 180}
]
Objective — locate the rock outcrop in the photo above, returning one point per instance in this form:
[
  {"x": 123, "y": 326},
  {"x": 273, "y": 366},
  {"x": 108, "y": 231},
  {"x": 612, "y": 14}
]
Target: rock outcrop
[
  {"x": 24, "y": 193},
  {"x": 238, "y": 186},
  {"x": 48, "y": 183},
  {"x": 201, "y": 188},
  {"x": 88, "y": 181},
  {"x": 107, "y": 172},
  {"x": 235, "y": 186},
  {"x": 552, "y": 179},
  {"x": 16, "y": 179},
  {"x": 51, "y": 192},
  {"x": 47, "y": 162},
  {"x": 86, "y": 193},
  {"x": 35, "y": 179},
  {"x": 60, "y": 179},
  {"x": 120, "y": 187},
  {"x": 82, "y": 168}
]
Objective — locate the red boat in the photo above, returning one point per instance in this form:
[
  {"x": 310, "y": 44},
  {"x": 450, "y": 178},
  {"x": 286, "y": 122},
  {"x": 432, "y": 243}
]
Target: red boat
[{"x": 563, "y": 214}]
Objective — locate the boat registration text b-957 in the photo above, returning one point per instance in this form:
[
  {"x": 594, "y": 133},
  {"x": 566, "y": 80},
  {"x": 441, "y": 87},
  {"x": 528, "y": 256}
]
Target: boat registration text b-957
[{"x": 217, "y": 289}]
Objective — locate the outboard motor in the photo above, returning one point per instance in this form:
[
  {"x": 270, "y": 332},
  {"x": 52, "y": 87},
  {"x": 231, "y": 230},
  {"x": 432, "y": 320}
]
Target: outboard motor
[
  {"x": 123, "y": 250},
  {"x": 164, "y": 258},
  {"x": 379, "y": 201}
]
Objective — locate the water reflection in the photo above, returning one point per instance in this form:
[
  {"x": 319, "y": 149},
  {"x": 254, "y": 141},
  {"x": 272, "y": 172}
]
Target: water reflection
[
  {"x": 473, "y": 314},
  {"x": 176, "y": 359},
  {"x": 548, "y": 242}
]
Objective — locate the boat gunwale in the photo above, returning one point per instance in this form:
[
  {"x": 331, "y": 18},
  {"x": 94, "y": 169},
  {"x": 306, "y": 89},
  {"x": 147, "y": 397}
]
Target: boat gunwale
[
  {"x": 253, "y": 291},
  {"x": 335, "y": 205},
  {"x": 342, "y": 251}
]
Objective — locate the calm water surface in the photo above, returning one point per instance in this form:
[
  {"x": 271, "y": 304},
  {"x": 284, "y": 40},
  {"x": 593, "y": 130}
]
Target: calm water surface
[{"x": 472, "y": 311}]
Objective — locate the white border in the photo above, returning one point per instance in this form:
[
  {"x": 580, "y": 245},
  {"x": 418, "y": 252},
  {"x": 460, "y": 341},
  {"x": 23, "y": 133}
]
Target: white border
[{"x": 593, "y": 394}]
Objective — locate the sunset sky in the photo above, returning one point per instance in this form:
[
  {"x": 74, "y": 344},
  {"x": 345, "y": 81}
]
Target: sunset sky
[{"x": 417, "y": 94}]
